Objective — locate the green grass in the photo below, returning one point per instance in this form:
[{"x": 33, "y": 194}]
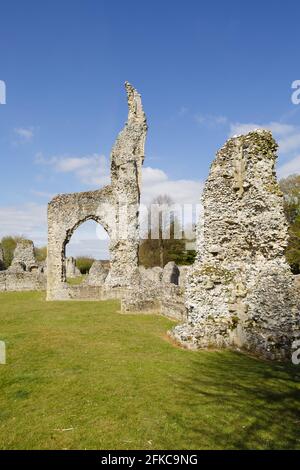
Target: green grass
[
  {"x": 74, "y": 281},
  {"x": 82, "y": 376}
]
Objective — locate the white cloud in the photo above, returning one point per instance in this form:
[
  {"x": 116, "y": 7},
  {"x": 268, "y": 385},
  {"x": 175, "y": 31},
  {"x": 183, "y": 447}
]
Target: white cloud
[
  {"x": 289, "y": 168},
  {"x": 89, "y": 169},
  {"x": 93, "y": 170},
  {"x": 98, "y": 249},
  {"x": 277, "y": 128},
  {"x": 24, "y": 134},
  {"x": 43, "y": 194},
  {"x": 290, "y": 143},
  {"x": 156, "y": 182},
  {"x": 29, "y": 220}
]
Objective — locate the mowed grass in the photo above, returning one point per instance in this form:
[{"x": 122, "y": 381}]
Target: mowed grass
[{"x": 80, "y": 375}]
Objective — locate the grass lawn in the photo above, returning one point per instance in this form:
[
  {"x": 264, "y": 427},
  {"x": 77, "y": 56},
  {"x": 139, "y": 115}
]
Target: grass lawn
[
  {"x": 74, "y": 281},
  {"x": 81, "y": 376}
]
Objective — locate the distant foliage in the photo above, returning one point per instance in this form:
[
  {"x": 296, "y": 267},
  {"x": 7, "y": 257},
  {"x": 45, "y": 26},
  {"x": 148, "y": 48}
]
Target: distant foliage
[
  {"x": 8, "y": 245},
  {"x": 84, "y": 264},
  {"x": 291, "y": 189},
  {"x": 40, "y": 253},
  {"x": 159, "y": 251}
]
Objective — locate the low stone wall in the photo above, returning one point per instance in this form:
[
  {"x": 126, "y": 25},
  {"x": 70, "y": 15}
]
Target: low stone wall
[
  {"x": 21, "y": 281},
  {"x": 167, "y": 300},
  {"x": 86, "y": 292}
]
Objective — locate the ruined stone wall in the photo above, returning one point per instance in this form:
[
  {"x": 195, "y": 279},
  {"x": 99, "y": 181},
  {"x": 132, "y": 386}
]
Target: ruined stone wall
[
  {"x": 71, "y": 268},
  {"x": 240, "y": 291},
  {"x": 98, "y": 273},
  {"x": 24, "y": 256},
  {"x": 21, "y": 281},
  {"x": 24, "y": 273},
  {"x": 115, "y": 207},
  {"x": 157, "y": 292}
]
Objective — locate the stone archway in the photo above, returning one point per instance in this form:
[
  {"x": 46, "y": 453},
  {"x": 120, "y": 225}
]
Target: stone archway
[
  {"x": 69, "y": 261},
  {"x": 115, "y": 207}
]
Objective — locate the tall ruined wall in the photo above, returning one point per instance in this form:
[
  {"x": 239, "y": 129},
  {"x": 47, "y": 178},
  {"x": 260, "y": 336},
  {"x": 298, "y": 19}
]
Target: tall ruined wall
[
  {"x": 240, "y": 291},
  {"x": 115, "y": 207},
  {"x": 71, "y": 268},
  {"x": 24, "y": 256}
]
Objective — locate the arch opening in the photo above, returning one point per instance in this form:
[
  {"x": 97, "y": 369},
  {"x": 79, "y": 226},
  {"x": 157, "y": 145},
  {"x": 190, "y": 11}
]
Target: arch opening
[{"x": 86, "y": 243}]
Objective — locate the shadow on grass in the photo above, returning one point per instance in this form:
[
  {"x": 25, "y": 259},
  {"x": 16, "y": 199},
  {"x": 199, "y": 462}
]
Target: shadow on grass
[{"x": 237, "y": 402}]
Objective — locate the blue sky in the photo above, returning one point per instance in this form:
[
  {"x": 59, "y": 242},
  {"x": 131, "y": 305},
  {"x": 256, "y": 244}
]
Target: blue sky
[{"x": 206, "y": 70}]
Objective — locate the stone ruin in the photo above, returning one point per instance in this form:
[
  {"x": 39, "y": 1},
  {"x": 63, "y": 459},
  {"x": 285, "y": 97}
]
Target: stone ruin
[
  {"x": 240, "y": 290},
  {"x": 98, "y": 273},
  {"x": 158, "y": 291},
  {"x": 24, "y": 273},
  {"x": 71, "y": 269},
  {"x": 115, "y": 207},
  {"x": 24, "y": 257}
]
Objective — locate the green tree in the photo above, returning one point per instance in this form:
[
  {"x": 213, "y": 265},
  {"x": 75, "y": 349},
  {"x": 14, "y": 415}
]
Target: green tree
[
  {"x": 160, "y": 250},
  {"x": 40, "y": 253},
  {"x": 84, "y": 264},
  {"x": 290, "y": 187}
]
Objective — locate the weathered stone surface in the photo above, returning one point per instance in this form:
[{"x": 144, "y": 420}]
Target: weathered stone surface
[
  {"x": 98, "y": 273},
  {"x": 24, "y": 273},
  {"x": 21, "y": 281},
  {"x": 183, "y": 273},
  {"x": 115, "y": 207},
  {"x": 151, "y": 274},
  {"x": 149, "y": 297},
  {"x": 71, "y": 268},
  {"x": 24, "y": 256},
  {"x": 42, "y": 267},
  {"x": 171, "y": 273},
  {"x": 240, "y": 291},
  {"x": 17, "y": 267}
]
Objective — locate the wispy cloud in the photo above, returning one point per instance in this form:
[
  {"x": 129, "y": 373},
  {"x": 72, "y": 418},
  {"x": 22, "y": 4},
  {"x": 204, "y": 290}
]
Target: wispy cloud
[
  {"x": 289, "y": 168},
  {"x": 42, "y": 194},
  {"x": 156, "y": 182},
  {"x": 93, "y": 170},
  {"x": 281, "y": 130},
  {"x": 29, "y": 220},
  {"x": 211, "y": 120},
  {"x": 24, "y": 134},
  {"x": 88, "y": 169},
  {"x": 278, "y": 128}
]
